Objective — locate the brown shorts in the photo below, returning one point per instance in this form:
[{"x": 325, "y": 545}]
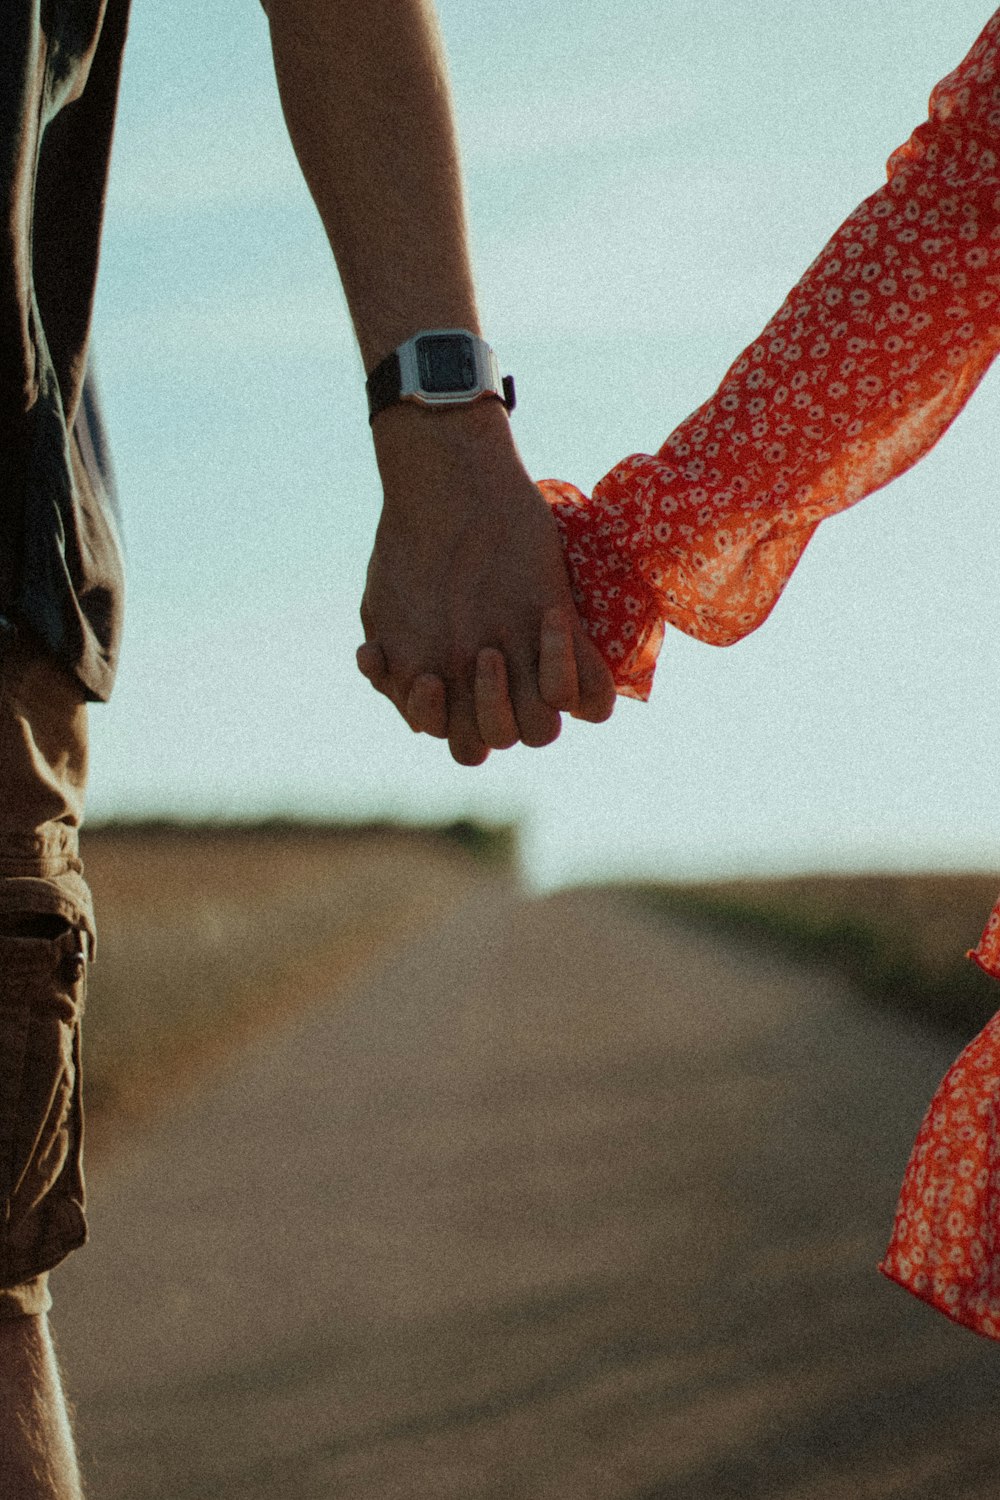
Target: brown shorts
[{"x": 43, "y": 764}]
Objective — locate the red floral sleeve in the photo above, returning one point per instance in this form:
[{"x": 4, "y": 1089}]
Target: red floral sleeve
[{"x": 858, "y": 374}]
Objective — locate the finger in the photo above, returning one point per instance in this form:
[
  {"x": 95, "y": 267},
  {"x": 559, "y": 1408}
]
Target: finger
[
  {"x": 427, "y": 719},
  {"x": 557, "y": 678},
  {"x": 538, "y": 723},
  {"x": 464, "y": 740},
  {"x": 371, "y": 664},
  {"x": 427, "y": 706},
  {"x": 494, "y": 712},
  {"x": 597, "y": 686}
]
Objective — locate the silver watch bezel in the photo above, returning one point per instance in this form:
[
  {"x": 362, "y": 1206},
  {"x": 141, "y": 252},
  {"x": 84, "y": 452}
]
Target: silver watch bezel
[{"x": 488, "y": 378}]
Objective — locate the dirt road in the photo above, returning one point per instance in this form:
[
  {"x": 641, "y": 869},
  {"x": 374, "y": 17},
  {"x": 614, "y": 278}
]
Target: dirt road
[{"x": 562, "y": 1205}]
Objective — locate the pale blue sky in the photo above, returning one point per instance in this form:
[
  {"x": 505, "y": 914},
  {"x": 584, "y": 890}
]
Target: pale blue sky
[{"x": 645, "y": 184}]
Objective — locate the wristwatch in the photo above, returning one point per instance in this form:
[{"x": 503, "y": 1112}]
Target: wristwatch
[{"x": 440, "y": 367}]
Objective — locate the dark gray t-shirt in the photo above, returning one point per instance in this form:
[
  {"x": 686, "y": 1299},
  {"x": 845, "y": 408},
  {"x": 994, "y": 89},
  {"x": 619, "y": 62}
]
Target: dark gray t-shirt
[{"x": 60, "y": 554}]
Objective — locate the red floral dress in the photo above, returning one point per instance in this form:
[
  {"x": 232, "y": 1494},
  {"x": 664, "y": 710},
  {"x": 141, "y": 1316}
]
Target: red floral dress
[{"x": 861, "y": 370}]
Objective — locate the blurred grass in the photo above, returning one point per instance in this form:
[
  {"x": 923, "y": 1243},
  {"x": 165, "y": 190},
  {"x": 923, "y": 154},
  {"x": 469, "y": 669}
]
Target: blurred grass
[
  {"x": 900, "y": 939},
  {"x": 208, "y": 934}
]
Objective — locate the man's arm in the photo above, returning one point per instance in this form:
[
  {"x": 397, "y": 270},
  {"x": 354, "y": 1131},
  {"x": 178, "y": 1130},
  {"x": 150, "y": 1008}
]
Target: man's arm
[{"x": 466, "y": 557}]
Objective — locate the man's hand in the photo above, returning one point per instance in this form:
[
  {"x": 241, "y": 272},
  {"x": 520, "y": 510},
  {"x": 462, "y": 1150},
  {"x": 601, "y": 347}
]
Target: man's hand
[{"x": 469, "y": 622}]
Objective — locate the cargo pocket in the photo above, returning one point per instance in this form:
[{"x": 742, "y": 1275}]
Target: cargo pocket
[{"x": 42, "y": 984}]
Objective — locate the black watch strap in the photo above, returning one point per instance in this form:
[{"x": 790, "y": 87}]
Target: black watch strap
[{"x": 384, "y": 385}]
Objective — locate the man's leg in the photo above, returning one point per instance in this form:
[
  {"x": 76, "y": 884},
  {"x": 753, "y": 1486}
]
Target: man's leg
[
  {"x": 46, "y": 931},
  {"x": 37, "y": 1459}
]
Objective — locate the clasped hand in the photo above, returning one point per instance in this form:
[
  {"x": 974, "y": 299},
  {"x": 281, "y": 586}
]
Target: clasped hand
[{"x": 470, "y": 626}]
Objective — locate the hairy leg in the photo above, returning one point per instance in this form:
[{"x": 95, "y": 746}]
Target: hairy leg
[{"x": 37, "y": 1457}]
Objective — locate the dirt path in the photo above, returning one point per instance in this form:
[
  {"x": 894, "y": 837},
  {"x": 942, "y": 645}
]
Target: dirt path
[{"x": 563, "y": 1205}]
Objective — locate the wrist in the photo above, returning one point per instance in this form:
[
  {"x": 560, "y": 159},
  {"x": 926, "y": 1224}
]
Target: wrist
[
  {"x": 408, "y": 435},
  {"x": 436, "y": 465}
]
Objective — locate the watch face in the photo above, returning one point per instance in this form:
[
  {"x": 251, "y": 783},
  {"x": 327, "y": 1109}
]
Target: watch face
[{"x": 445, "y": 362}]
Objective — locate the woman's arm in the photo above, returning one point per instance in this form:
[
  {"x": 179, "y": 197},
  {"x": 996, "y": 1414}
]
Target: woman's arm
[{"x": 870, "y": 357}]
